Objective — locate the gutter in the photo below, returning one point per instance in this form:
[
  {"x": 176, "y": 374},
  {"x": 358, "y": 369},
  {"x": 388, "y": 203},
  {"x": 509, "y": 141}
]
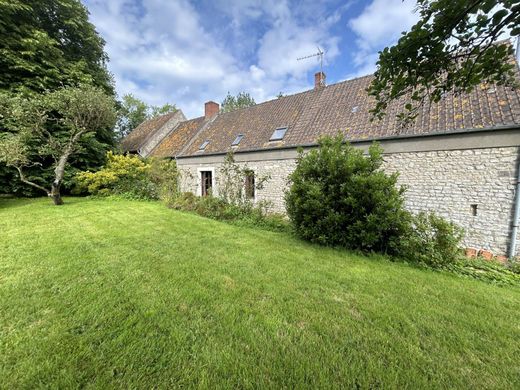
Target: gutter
[
  {"x": 516, "y": 216},
  {"x": 359, "y": 141}
]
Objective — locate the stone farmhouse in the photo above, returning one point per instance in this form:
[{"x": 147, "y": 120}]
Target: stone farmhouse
[{"x": 459, "y": 158}]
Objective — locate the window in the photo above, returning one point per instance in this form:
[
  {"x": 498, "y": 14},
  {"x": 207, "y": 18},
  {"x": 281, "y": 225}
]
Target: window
[
  {"x": 206, "y": 182},
  {"x": 355, "y": 109},
  {"x": 237, "y": 140},
  {"x": 474, "y": 209},
  {"x": 250, "y": 185},
  {"x": 278, "y": 134},
  {"x": 203, "y": 146}
]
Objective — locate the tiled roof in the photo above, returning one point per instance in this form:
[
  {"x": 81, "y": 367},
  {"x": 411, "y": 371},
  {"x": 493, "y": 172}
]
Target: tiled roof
[
  {"x": 133, "y": 141},
  {"x": 173, "y": 143},
  {"x": 344, "y": 107}
]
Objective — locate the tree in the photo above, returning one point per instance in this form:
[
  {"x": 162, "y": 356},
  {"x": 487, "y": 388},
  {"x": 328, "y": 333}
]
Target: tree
[
  {"x": 44, "y": 46},
  {"x": 133, "y": 111},
  {"x": 453, "y": 47},
  {"x": 232, "y": 103},
  {"x": 76, "y": 114},
  {"x": 161, "y": 110},
  {"x": 47, "y": 44}
]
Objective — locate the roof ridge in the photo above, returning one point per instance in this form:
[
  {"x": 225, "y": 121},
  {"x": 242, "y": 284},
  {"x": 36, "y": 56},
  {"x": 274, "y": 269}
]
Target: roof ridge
[
  {"x": 295, "y": 94},
  {"x": 154, "y": 132}
]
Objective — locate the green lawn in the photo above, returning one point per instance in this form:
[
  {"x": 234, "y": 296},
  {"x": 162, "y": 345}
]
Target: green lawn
[{"x": 129, "y": 294}]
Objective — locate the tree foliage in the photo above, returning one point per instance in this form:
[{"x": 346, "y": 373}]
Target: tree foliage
[
  {"x": 232, "y": 103},
  {"x": 48, "y": 44},
  {"x": 453, "y": 47},
  {"x": 56, "y": 124},
  {"x": 133, "y": 111}
]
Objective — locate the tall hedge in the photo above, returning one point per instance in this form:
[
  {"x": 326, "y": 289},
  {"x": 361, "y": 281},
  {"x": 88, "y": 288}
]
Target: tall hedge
[{"x": 339, "y": 197}]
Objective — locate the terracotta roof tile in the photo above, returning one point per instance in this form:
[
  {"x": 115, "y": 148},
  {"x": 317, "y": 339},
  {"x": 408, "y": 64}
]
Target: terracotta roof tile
[
  {"x": 173, "y": 143},
  {"x": 133, "y": 141},
  {"x": 344, "y": 107}
]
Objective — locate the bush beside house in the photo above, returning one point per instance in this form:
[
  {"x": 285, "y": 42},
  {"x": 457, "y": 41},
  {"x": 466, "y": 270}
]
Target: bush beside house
[{"x": 339, "y": 197}]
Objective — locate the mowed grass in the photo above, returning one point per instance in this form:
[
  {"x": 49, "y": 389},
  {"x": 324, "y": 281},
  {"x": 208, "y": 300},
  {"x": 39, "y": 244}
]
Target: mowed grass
[{"x": 123, "y": 294}]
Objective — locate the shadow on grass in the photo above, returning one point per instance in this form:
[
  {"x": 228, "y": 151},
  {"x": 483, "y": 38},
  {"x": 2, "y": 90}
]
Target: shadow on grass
[{"x": 14, "y": 202}]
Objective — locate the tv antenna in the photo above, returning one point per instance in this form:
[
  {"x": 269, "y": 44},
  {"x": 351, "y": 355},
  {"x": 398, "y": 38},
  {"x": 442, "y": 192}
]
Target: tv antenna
[{"x": 319, "y": 54}]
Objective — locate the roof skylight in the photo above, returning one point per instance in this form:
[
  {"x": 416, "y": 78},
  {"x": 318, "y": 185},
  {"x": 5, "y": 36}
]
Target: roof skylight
[
  {"x": 237, "y": 140},
  {"x": 278, "y": 134},
  {"x": 203, "y": 145}
]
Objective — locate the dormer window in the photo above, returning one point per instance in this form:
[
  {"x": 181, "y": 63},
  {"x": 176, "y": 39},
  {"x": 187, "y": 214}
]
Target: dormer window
[
  {"x": 278, "y": 134},
  {"x": 203, "y": 146},
  {"x": 237, "y": 140}
]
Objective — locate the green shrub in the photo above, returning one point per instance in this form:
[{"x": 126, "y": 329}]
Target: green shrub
[
  {"x": 245, "y": 214},
  {"x": 164, "y": 175},
  {"x": 431, "y": 240},
  {"x": 122, "y": 175},
  {"x": 339, "y": 197},
  {"x": 130, "y": 176}
]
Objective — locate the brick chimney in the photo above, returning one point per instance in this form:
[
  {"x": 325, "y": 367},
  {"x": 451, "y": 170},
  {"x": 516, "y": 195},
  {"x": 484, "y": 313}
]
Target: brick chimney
[
  {"x": 210, "y": 109},
  {"x": 319, "y": 80}
]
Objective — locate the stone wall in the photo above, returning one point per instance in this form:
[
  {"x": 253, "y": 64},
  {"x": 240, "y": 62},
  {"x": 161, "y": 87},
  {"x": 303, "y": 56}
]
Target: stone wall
[{"x": 449, "y": 182}]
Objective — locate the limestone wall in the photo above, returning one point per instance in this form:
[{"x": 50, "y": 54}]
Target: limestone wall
[{"x": 447, "y": 182}]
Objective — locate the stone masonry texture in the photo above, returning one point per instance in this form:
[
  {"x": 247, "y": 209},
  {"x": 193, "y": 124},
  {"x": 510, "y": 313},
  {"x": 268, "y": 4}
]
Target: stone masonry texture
[{"x": 455, "y": 184}]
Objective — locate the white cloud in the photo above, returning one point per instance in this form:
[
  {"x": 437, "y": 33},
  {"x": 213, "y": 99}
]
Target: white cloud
[
  {"x": 379, "y": 25},
  {"x": 163, "y": 51}
]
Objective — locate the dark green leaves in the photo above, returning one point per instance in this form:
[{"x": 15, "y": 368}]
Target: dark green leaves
[{"x": 453, "y": 47}]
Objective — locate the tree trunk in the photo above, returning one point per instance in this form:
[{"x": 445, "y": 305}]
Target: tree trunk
[
  {"x": 59, "y": 171},
  {"x": 55, "y": 194}
]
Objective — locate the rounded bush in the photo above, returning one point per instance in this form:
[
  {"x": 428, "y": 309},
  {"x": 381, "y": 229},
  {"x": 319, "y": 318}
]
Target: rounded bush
[{"x": 339, "y": 197}]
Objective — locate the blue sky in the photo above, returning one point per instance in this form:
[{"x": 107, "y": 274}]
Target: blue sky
[{"x": 188, "y": 52}]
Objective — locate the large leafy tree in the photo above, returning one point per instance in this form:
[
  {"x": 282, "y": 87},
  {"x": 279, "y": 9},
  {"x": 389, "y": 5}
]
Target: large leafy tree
[
  {"x": 47, "y": 44},
  {"x": 453, "y": 47},
  {"x": 56, "y": 124},
  {"x": 133, "y": 111},
  {"x": 44, "y": 46},
  {"x": 232, "y": 103}
]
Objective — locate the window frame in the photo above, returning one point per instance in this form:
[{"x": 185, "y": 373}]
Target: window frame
[
  {"x": 237, "y": 140},
  {"x": 250, "y": 174},
  {"x": 282, "y": 128},
  {"x": 199, "y": 182},
  {"x": 204, "y": 145}
]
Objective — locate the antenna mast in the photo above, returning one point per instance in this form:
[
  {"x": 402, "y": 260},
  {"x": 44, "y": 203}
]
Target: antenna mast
[{"x": 319, "y": 54}]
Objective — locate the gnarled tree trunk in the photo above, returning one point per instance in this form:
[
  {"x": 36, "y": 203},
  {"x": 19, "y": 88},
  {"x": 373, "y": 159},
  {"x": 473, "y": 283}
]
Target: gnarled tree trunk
[
  {"x": 55, "y": 193},
  {"x": 59, "y": 171}
]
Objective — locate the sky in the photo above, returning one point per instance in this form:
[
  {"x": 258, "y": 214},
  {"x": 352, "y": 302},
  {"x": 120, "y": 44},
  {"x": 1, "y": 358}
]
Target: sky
[{"x": 189, "y": 52}]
